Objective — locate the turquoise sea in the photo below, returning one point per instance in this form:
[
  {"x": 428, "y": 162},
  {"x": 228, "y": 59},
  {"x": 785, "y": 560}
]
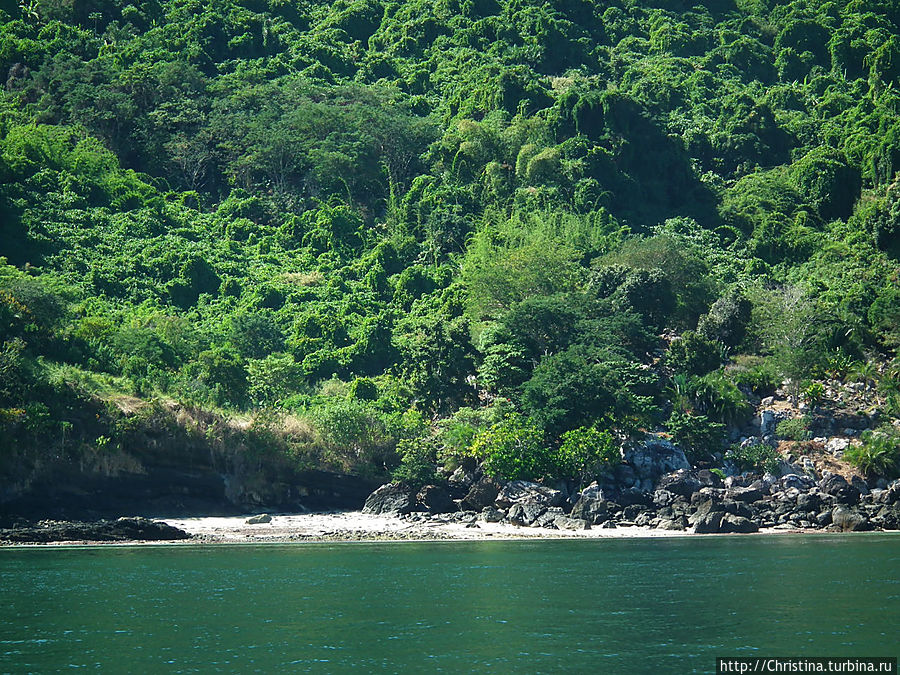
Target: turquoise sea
[{"x": 600, "y": 606}]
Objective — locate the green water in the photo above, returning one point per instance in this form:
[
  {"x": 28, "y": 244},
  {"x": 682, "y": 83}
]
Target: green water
[{"x": 662, "y": 605}]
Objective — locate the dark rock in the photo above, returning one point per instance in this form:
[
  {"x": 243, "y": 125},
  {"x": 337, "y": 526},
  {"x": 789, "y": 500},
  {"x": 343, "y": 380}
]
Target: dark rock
[
  {"x": 568, "y": 523},
  {"x": 524, "y": 514},
  {"x": 837, "y": 486},
  {"x": 393, "y": 498},
  {"x": 462, "y": 479},
  {"x": 663, "y": 498},
  {"x": 849, "y": 519},
  {"x": 860, "y": 485},
  {"x": 707, "y": 478},
  {"x": 261, "y": 519},
  {"x": 491, "y": 515},
  {"x": 547, "y": 517},
  {"x": 594, "y": 511},
  {"x": 891, "y": 493},
  {"x": 523, "y": 491},
  {"x": 632, "y": 511},
  {"x": 652, "y": 458},
  {"x": 709, "y": 523},
  {"x": 630, "y": 496},
  {"x": 436, "y": 499},
  {"x": 888, "y": 516},
  {"x": 737, "y": 524},
  {"x": 744, "y": 494},
  {"x": 481, "y": 494},
  {"x": 681, "y": 482},
  {"x": 122, "y": 529},
  {"x": 608, "y": 525},
  {"x": 679, "y": 523},
  {"x": 737, "y": 508},
  {"x": 809, "y": 501}
]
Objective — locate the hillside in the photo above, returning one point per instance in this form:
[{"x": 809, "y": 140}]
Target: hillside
[{"x": 372, "y": 237}]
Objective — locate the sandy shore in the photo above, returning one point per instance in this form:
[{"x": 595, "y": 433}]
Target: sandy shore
[{"x": 357, "y": 526}]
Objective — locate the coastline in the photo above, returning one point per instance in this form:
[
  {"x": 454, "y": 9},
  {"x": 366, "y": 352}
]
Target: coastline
[{"x": 355, "y": 526}]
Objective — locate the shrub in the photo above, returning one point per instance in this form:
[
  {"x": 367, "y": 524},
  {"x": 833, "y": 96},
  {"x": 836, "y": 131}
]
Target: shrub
[
  {"x": 513, "y": 448},
  {"x": 696, "y": 434},
  {"x": 693, "y": 354},
  {"x": 719, "y": 397},
  {"x": 417, "y": 462},
  {"x": 879, "y": 454},
  {"x": 814, "y": 393},
  {"x": 756, "y": 375},
  {"x": 760, "y": 457},
  {"x": 585, "y": 451},
  {"x": 794, "y": 429}
]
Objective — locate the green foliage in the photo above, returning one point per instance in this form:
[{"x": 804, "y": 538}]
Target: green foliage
[
  {"x": 693, "y": 354},
  {"x": 585, "y": 451},
  {"x": 759, "y": 457},
  {"x": 513, "y": 448},
  {"x": 878, "y": 455},
  {"x": 794, "y": 429},
  {"x": 696, "y": 434},
  {"x": 814, "y": 393},
  {"x": 417, "y": 460},
  {"x": 440, "y": 205}
]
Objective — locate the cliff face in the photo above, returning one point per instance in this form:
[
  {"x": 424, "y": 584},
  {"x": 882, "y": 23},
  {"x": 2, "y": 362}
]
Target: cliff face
[{"x": 171, "y": 461}]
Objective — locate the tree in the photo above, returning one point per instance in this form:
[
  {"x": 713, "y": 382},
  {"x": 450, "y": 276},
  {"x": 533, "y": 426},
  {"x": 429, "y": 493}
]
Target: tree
[{"x": 791, "y": 327}]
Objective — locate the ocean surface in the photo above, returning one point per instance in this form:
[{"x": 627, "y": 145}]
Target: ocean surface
[{"x": 600, "y": 606}]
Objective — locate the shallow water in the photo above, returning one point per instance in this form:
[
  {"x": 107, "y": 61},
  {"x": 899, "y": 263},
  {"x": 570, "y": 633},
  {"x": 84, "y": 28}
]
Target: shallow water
[{"x": 608, "y": 606}]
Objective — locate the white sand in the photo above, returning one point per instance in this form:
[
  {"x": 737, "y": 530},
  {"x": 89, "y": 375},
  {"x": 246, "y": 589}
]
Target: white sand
[{"x": 357, "y": 526}]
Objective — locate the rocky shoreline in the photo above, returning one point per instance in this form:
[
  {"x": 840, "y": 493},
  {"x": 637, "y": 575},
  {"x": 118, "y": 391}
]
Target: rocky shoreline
[{"x": 695, "y": 501}]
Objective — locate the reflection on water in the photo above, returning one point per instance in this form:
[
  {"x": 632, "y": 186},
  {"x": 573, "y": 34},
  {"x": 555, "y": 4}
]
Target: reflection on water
[{"x": 661, "y": 605}]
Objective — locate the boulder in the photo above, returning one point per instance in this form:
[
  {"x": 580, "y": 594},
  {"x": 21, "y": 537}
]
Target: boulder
[
  {"x": 678, "y": 523},
  {"x": 568, "y": 523},
  {"x": 435, "y": 499},
  {"x": 461, "y": 479},
  {"x": 744, "y": 494},
  {"x": 481, "y": 494},
  {"x": 525, "y": 514},
  {"x": 391, "y": 498},
  {"x": 837, "y": 486},
  {"x": 891, "y": 493},
  {"x": 681, "y": 482},
  {"x": 547, "y": 517},
  {"x": 654, "y": 457},
  {"x": 593, "y": 510},
  {"x": 491, "y": 515},
  {"x": 888, "y": 516},
  {"x": 631, "y": 496},
  {"x": 122, "y": 529},
  {"x": 737, "y": 524},
  {"x": 849, "y": 519},
  {"x": 809, "y": 501},
  {"x": 709, "y": 523},
  {"x": 523, "y": 491},
  {"x": 836, "y": 446},
  {"x": 261, "y": 519}
]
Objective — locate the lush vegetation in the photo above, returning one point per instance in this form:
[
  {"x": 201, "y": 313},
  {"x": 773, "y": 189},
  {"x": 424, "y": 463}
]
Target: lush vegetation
[{"x": 401, "y": 234}]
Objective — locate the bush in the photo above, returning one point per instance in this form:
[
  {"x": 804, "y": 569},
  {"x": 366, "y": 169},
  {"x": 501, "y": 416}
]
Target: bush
[
  {"x": 697, "y": 435},
  {"x": 693, "y": 354},
  {"x": 794, "y": 429},
  {"x": 512, "y": 449},
  {"x": 814, "y": 393},
  {"x": 760, "y": 457},
  {"x": 417, "y": 462},
  {"x": 584, "y": 452},
  {"x": 719, "y": 397},
  {"x": 879, "y": 454},
  {"x": 755, "y": 375}
]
